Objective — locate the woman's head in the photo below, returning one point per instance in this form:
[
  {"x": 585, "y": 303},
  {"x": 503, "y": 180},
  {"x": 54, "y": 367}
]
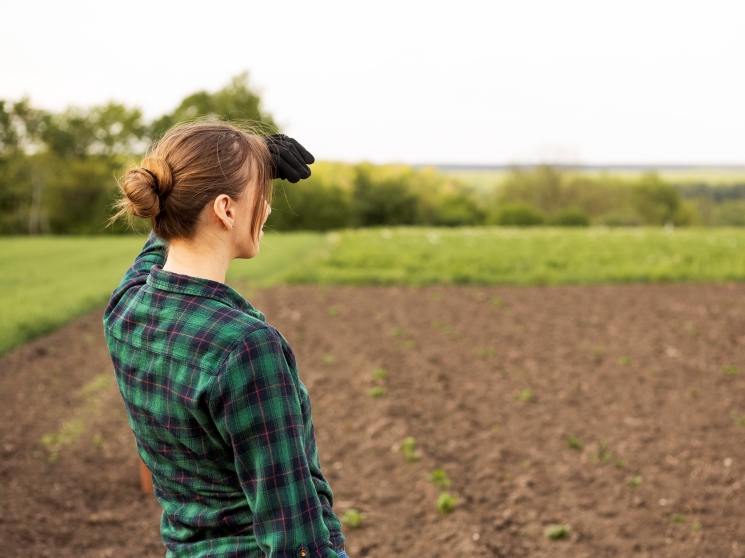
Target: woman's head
[{"x": 201, "y": 177}]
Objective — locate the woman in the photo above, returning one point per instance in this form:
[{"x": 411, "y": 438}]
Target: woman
[{"x": 212, "y": 392}]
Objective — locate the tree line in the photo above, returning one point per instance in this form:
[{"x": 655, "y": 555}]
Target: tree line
[
  {"x": 58, "y": 176},
  {"x": 58, "y": 170}
]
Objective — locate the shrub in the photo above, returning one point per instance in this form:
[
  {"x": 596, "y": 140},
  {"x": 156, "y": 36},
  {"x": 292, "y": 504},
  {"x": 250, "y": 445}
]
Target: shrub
[
  {"x": 571, "y": 218},
  {"x": 519, "y": 214},
  {"x": 382, "y": 201},
  {"x": 311, "y": 204},
  {"x": 458, "y": 209}
]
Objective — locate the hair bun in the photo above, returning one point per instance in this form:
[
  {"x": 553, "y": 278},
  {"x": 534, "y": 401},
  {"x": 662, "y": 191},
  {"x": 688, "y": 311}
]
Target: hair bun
[
  {"x": 147, "y": 186},
  {"x": 160, "y": 171}
]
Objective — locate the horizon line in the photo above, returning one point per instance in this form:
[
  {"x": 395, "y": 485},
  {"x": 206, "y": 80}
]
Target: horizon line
[{"x": 583, "y": 166}]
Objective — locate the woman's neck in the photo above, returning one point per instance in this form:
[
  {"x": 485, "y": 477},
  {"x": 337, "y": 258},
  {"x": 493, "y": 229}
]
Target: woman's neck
[{"x": 201, "y": 259}]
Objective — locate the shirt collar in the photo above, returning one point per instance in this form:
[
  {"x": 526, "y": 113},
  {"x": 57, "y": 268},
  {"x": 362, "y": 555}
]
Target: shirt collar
[{"x": 197, "y": 286}]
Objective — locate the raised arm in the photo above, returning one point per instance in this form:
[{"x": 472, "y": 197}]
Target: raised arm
[{"x": 260, "y": 412}]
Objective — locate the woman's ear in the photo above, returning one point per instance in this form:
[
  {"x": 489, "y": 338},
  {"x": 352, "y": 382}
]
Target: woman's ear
[{"x": 224, "y": 210}]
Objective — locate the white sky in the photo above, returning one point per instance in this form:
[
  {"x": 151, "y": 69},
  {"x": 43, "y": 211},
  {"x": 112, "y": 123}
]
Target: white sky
[{"x": 494, "y": 82}]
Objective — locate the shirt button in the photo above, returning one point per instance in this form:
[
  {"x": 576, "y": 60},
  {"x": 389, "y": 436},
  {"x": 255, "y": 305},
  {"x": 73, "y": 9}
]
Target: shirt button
[{"x": 303, "y": 553}]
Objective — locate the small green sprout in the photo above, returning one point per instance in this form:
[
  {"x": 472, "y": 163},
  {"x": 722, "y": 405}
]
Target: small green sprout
[
  {"x": 524, "y": 395},
  {"x": 696, "y": 527},
  {"x": 635, "y": 482},
  {"x": 693, "y": 333},
  {"x": 495, "y": 428},
  {"x": 333, "y": 311},
  {"x": 409, "y": 344},
  {"x": 376, "y": 392},
  {"x": 739, "y": 419},
  {"x": 328, "y": 358},
  {"x": 409, "y": 448},
  {"x": 352, "y": 518},
  {"x": 603, "y": 455},
  {"x": 575, "y": 443},
  {"x": 437, "y": 297},
  {"x": 496, "y": 302},
  {"x": 437, "y": 324},
  {"x": 624, "y": 361},
  {"x": 693, "y": 394},
  {"x": 379, "y": 374},
  {"x": 446, "y": 503},
  {"x": 676, "y": 518},
  {"x": 619, "y": 464},
  {"x": 485, "y": 352},
  {"x": 397, "y": 332},
  {"x": 439, "y": 477},
  {"x": 731, "y": 370},
  {"x": 557, "y": 532}
]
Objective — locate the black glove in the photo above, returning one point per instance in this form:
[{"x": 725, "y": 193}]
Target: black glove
[{"x": 290, "y": 160}]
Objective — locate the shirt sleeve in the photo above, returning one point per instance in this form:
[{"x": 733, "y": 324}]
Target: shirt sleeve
[
  {"x": 323, "y": 489},
  {"x": 152, "y": 253},
  {"x": 259, "y": 409}
]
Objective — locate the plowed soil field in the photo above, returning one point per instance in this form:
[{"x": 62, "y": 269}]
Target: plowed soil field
[{"x": 618, "y": 411}]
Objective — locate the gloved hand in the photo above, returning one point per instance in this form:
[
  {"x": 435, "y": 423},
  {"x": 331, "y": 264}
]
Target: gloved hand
[{"x": 290, "y": 159}]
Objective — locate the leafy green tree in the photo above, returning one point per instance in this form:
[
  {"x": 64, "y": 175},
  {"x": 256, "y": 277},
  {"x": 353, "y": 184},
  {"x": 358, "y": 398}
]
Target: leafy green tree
[
  {"x": 78, "y": 196},
  {"x": 106, "y": 131},
  {"x": 654, "y": 200},
  {"x": 540, "y": 187},
  {"x": 236, "y": 101},
  {"x": 21, "y": 183}
]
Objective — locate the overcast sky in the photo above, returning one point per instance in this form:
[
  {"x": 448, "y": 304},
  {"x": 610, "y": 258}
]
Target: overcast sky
[{"x": 491, "y": 82}]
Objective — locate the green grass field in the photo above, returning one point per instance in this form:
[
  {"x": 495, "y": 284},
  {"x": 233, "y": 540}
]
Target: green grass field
[
  {"x": 46, "y": 282},
  {"x": 540, "y": 256}
]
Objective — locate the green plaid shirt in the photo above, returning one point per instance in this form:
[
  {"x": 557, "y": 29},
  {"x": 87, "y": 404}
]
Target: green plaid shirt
[{"x": 220, "y": 416}]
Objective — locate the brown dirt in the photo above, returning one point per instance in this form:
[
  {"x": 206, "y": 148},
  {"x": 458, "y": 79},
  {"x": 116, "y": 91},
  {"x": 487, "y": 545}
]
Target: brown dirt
[{"x": 610, "y": 365}]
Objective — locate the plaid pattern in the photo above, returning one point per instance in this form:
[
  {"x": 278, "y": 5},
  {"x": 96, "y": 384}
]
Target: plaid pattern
[{"x": 220, "y": 416}]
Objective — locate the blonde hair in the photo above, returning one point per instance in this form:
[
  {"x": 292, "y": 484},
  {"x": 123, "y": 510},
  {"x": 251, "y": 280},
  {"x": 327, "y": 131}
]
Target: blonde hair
[{"x": 188, "y": 168}]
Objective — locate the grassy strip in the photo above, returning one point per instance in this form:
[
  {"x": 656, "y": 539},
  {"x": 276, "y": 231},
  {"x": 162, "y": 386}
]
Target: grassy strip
[
  {"x": 46, "y": 282},
  {"x": 540, "y": 256}
]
